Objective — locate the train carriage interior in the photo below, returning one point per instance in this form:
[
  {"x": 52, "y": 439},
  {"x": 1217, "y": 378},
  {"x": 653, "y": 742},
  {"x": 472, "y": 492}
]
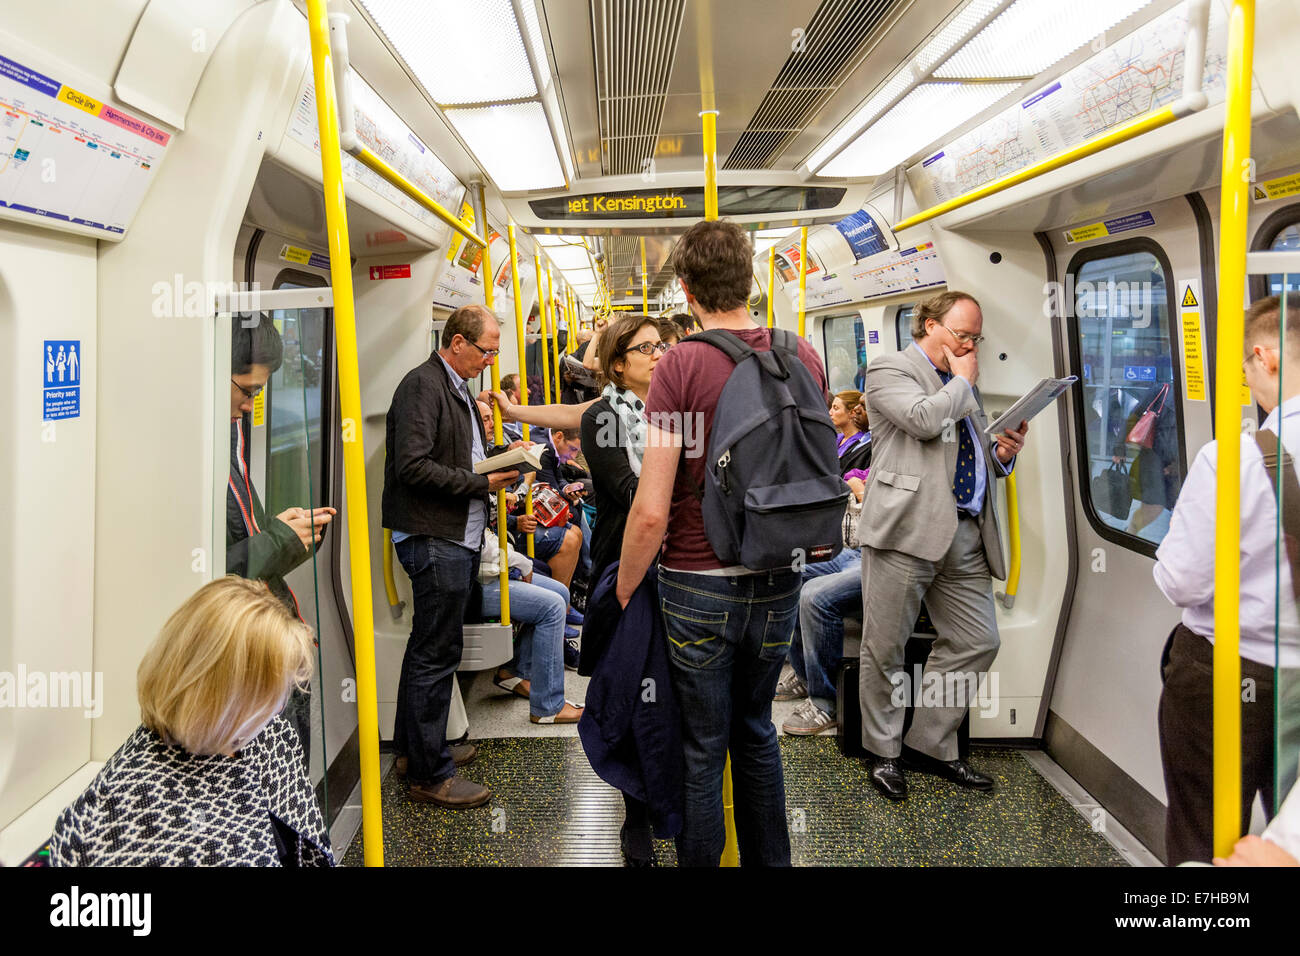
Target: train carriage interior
[{"x": 165, "y": 176}]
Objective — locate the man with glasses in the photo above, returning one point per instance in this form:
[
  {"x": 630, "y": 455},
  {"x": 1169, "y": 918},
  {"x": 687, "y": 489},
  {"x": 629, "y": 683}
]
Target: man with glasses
[
  {"x": 929, "y": 532},
  {"x": 437, "y": 508}
]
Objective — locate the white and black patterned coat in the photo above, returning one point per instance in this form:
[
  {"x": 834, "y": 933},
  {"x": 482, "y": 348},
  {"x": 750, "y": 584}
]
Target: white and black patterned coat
[{"x": 153, "y": 804}]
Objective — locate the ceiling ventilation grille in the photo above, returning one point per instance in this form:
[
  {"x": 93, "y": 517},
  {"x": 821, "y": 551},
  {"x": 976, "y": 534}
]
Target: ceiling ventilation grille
[
  {"x": 834, "y": 42},
  {"x": 636, "y": 43}
]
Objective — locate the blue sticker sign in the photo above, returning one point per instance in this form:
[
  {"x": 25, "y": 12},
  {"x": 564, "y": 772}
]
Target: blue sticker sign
[
  {"x": 873, "y": 337},
  {"x": 1139, "y": 373},
  {"x": 61, "y": 379}
]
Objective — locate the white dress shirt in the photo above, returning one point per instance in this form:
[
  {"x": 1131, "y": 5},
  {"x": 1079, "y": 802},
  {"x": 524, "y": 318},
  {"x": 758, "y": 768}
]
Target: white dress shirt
[{"x": 1184, "y": 568}]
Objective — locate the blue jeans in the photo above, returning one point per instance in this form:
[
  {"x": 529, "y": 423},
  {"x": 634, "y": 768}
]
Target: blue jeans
[
  {"x": 727, "y": 639},
  {"x": 442, "y": 576},
  {"x": 539, "y": 656},
  {"x": 829, "y": 592}
]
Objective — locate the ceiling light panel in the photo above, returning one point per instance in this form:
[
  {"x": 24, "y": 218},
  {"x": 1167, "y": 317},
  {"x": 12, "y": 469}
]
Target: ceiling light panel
[
  {"x": 493, "y": 66},
  {"x": 513, "y": 143},
  {"x": 569, "y": 257},
  {"x": 956, "y": 30},
  {"x": 1032, "y": 35},
  {"x": 920, "y": 118}
]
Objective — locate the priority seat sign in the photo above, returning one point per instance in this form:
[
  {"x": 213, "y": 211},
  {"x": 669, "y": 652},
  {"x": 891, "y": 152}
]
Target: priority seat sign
[{"x": 61, "y": 379}]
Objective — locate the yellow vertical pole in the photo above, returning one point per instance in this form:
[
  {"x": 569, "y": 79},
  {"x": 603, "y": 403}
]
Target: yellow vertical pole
[
  {"x": 354, "y": 455},
  {"x": 1234, "y": 204},
  {"x": 498, "y": 436},
  {"x": 645, "y": 293},
  {"x": 710, "y": 118},
  {"x": 555, "y": 336},
  {"x": 523, "y": 364},
  {"x": 803, "y": 276},
  {"x": 543, "y": 324},
  {"x": 771, "y": 284},
  {"x": 570, "y": 322},
  {"x": 731, "y": 848}
]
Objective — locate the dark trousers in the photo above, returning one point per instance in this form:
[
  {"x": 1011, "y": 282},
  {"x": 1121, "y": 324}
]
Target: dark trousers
[
  {"x": 1187, "y": 745},
  {"x": 442, "y": 577},
  {"x": 727, "y": 639}
]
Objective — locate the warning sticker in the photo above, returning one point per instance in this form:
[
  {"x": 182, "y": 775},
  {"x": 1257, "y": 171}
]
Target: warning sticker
[
  {"x": 304, "y": 257},
  {"x": 1279, "y": 188},
  {"x": 1193, "y": 340},
  {"x": 390, "y": 272},
  {"x": 1110, "y": 227}
]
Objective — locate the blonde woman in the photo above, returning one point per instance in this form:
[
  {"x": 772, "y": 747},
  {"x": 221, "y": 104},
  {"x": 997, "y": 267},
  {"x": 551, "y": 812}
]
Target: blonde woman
[{"x": 212, "y": 776}]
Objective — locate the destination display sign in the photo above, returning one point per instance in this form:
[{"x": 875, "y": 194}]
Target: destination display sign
[{"x": 688, "y": 202}]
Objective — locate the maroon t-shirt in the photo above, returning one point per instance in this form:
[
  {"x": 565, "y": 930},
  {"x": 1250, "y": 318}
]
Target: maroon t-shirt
[{"x": 684, "y": 393}]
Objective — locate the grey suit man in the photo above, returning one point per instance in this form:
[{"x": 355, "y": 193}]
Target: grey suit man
[{"x": 929, "y": 532}]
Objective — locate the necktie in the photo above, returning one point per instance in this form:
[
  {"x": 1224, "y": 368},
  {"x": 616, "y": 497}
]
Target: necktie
[{"x": 963, "y": 482}]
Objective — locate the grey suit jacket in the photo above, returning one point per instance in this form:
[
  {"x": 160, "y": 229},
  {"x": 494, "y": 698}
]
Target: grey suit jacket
[{"x": 908, "y": 505}]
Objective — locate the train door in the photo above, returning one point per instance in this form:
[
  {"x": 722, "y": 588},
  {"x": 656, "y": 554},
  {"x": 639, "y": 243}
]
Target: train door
[
  {"x": 289, "y": 457},
  {"x": 1135, "y": 323}
]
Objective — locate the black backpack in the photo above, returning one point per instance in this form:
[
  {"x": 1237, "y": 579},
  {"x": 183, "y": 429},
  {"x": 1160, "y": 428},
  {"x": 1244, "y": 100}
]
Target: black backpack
[{"x": 773, "y": 497}]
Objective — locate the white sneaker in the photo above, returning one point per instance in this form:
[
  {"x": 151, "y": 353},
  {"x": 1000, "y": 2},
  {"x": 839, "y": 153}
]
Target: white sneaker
[
  {"x": 791, "y": 688},
  {"x": 809, "y": 720}
]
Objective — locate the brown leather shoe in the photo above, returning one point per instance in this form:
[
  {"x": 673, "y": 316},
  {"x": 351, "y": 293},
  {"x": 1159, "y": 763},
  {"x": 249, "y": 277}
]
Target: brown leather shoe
[
  {"x": 461, "y": 754},
  {"x": 454, "y": 793}
]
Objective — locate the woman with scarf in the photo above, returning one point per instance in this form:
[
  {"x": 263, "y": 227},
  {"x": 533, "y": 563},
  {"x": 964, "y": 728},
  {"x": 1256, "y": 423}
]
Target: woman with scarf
[{"x": 613, "y": 438}]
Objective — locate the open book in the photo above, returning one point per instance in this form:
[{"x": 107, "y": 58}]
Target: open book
[
  {"x": 1034, "y": 401},
  {"x": 530, "y": 457}
]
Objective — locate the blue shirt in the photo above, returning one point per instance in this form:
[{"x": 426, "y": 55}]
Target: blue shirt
[
  {"x": 476, "y": 521},
  {"x": 976, "y": 503}
]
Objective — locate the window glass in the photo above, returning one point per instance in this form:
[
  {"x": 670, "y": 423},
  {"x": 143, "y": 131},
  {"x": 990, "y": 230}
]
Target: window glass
[
  {"x": 845, "y": 346},
  {"x": 1287, "y": 240},
  {"x": 295, "y": 461},
  {"x": 903, "y": 325},
  {"x": 1130, "y": 405}
]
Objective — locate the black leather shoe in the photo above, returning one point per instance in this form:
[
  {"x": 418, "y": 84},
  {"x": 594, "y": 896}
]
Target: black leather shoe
[
  {"x": 887, "y": 777},
  {"x": 638, "y": 845},
  {"x": 954, "y": 771}
]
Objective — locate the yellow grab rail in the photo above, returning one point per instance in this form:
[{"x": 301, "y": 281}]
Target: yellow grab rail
[
  {"x": 645, "y": 295},
  {"x": 803, "y": 277},
  {"x": 390, "y": 583},
  {"x": 1013, "y": 540},
  {"x": 523, "y": 365},
  {"x": 1124, "y": 133},
  {"x": 354, "y": 455},
  {"x": 1234, "y": 205},
  {"x": 498, "y": 436},
  {"x": 771, "y": 284},
  {"x": 373, "y": 162},
  {"x": 542, "y": 325}
]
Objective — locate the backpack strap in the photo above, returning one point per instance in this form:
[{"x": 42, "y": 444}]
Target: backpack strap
[
  {"x": 735, "y": 349},
  {"x": 1270, "y": 448}
]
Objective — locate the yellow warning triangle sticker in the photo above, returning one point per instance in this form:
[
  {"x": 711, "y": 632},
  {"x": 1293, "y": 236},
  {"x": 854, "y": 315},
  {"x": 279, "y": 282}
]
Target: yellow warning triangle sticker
[
  {"x": 1260, "y": 194},
  {"x": 1189, "y": 300}
]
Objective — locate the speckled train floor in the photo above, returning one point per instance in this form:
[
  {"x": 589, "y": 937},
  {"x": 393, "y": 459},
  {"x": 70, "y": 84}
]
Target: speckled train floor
[{"x": 550, "y": 809}]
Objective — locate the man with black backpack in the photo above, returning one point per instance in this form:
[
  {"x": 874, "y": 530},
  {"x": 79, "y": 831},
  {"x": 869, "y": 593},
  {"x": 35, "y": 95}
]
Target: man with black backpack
[{"x": 756, "y": 495}]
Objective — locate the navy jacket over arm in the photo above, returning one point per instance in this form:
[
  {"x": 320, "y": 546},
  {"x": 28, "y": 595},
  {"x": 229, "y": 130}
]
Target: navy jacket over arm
[{"x": 630, "y": 728}]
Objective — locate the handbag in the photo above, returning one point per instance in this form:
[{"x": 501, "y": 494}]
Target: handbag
[
  {"x": 1143, "y": 431},
  {"x": 1111, "y": 492}
]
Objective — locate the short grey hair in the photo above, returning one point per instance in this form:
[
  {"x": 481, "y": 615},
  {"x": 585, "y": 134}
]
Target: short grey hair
[{"x": 936, "y": 307}]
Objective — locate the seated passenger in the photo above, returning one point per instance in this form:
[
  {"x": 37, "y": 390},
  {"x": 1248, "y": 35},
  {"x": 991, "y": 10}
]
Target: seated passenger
[
  {"x": 539, "y": 604},
  {"x": 1270, "y": 646},
  {"x": 211, "y": 777},
  {"x": 255, "y": 547},
  {"x": 511, "y": 431},
  {"x": 854, "y": 443}
]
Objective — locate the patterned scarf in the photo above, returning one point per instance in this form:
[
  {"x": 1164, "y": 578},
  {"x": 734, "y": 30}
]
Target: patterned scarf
[{"x": 631, "y": 415}]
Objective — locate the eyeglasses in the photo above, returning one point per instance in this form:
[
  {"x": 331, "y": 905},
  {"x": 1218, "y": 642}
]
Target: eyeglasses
[
  {"x": 649, "y": 348},
  {"x": 964, "y": 337},
  {"x": 251, "y": 396},
  {"x": 487, "y": 353}
]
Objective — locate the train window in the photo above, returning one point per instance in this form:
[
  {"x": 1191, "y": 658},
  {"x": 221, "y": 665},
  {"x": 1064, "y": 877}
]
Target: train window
[
  {"x": 903, "y": 325},
  {"x": 845, "y": 346},
  {"x": 296, "y": 453},
  {"x": 1288, "y": 239},
  {"x": 1124, "y": 357}
]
